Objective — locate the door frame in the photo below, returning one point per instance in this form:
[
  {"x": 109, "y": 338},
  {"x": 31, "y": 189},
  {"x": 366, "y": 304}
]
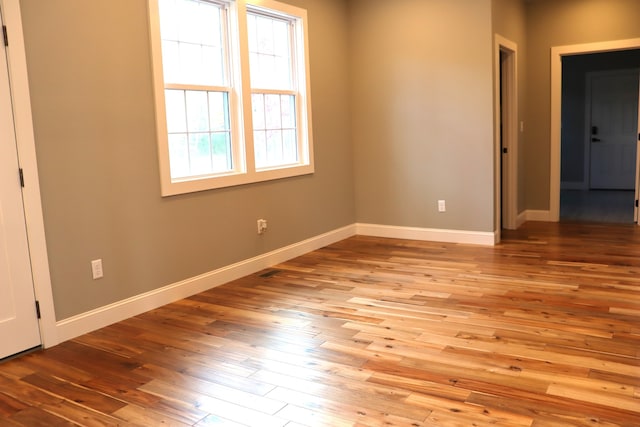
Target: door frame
[
  {"x": 506, "y": 116},
  {"x": 18, "y": 78},
  {"x": 557, "y": 52}
]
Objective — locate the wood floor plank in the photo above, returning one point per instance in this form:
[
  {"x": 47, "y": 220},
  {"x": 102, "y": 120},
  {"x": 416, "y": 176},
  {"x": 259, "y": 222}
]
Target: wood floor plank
[
  {"x": 138, "y": 416},
  {"x": 75, "y": 393},
  {"x": 81, "y": 415},
  {"x": 37, "y": 417},
  {"x": 364, "y": 414},
  {"x": 541, "y": 330}
]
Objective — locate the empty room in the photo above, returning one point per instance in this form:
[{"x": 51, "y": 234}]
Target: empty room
[{"x": 319, "y": 213}]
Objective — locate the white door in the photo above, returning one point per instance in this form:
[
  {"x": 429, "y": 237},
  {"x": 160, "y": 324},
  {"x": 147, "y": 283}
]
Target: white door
[
  {"x": 614, "y": 125},
  {"x": 19, "y": 328}
]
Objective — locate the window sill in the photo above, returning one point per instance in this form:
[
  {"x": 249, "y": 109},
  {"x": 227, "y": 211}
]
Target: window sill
[{"x": 184, "y": 186}]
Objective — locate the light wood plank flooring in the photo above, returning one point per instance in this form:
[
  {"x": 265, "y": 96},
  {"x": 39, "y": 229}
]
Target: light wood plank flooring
[{"x": 541, "y": 330}]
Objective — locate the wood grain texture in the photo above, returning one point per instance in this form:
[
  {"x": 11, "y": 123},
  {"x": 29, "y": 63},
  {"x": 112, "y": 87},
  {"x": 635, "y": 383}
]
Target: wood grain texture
[{"x": 541, "y": 330}]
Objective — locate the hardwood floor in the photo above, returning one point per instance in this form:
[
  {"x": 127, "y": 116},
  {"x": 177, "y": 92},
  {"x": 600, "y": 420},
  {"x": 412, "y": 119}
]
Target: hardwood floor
[{"x": 541, "y": 330}]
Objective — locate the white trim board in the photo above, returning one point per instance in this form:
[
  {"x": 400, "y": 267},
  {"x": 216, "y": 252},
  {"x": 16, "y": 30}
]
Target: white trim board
[
  {"x": 121, "y": 310},
  {"x": 428, "y": 234}
]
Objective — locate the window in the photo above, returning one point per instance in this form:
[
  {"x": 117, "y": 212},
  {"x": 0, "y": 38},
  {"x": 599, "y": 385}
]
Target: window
[{"x": 232, "y": 106}]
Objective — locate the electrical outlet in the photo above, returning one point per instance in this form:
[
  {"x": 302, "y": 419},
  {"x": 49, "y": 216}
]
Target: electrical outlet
[
  {"x": 441, "y": 206},
  {"x": 96, "y": 269},
  {"x": 262, "y": 226}
]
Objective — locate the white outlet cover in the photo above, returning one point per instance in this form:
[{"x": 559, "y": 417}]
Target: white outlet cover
[{"x": 96, "y": 269}]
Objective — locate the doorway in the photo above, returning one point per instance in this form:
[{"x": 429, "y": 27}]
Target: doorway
[
  {"x": 558, "y": 113},
  {"x": 598, "y": 136}
]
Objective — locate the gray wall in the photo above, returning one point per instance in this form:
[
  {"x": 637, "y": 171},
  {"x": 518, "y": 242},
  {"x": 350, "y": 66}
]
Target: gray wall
[
  {"x": 422, "y": 112},
  {"x": 90, "y": 81},
  {"x": 558, "y": 23},
  {"x": 574, "y": 81}
]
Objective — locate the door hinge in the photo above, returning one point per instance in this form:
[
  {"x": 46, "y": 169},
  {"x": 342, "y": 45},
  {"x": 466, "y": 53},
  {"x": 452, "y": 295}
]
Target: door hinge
[
  {"x": 505, "y": 150},
  {"x": 636, "y": 203},
  {"x": 21, "y": 177},
  {"x": 38, "y": 309},
  {"x": 5, "y": 36}
]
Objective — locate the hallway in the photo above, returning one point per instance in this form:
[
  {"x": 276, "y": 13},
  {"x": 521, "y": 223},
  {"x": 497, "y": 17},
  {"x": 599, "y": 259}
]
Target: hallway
[{"x": 600, "y": 206}]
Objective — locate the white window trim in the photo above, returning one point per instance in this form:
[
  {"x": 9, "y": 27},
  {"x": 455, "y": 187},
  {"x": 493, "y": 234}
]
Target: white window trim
[{"x": 244, "y": 171}]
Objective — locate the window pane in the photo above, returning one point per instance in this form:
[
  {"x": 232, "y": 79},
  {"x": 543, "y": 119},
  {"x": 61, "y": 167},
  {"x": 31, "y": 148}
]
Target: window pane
[
  {"x": 266, "y": 76},
  {"x": 275, "y": 133},
  {"x": 197, "y": 111},
  {"x": 190, "y": 62},
  {"x": 260, "y": 148},
  {"x": 208, "y": 24},
  {"x": 288, "y": 109},
  {"x": 179, "y": 155},
  {"x": 221, "y": 151},
  {"x": 281, "y": 38},
  {"x": 272, "y": 111},
  {"x": 176, "y": 112},
  {"x": 282, "y": 73},
  {"x": 188, "y": 15},
  {"x": 169, "y": 21},
  {"x": 270, "y": 52},
  {"x": 219, "y": 111},
  {"x": 211, "y": 72},
  {"x": 274, "y": 147},
  {"x": 264, "y": 33},
  {"x": 171, "y": 61},
  {"x": 289, "y": 146},
  {"x": 251, "y": 33},
  {"x": 199, "y": 132},
  {"x": 200, "y": 154},
  {"x": 192, "y": 34}
]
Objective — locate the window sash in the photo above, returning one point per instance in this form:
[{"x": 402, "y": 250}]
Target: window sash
[
  {"x": 272, "y": 39},
  {"x": 199, "y": 133},
  {"x": 189, "y": 36}
]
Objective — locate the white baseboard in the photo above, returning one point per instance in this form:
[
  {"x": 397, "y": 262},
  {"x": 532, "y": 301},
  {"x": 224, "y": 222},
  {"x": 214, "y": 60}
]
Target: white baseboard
[
  {"x": 536, "y": 215},
  {"x": 95, "y": 319},
  {"x": 428, "y": 234}
]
